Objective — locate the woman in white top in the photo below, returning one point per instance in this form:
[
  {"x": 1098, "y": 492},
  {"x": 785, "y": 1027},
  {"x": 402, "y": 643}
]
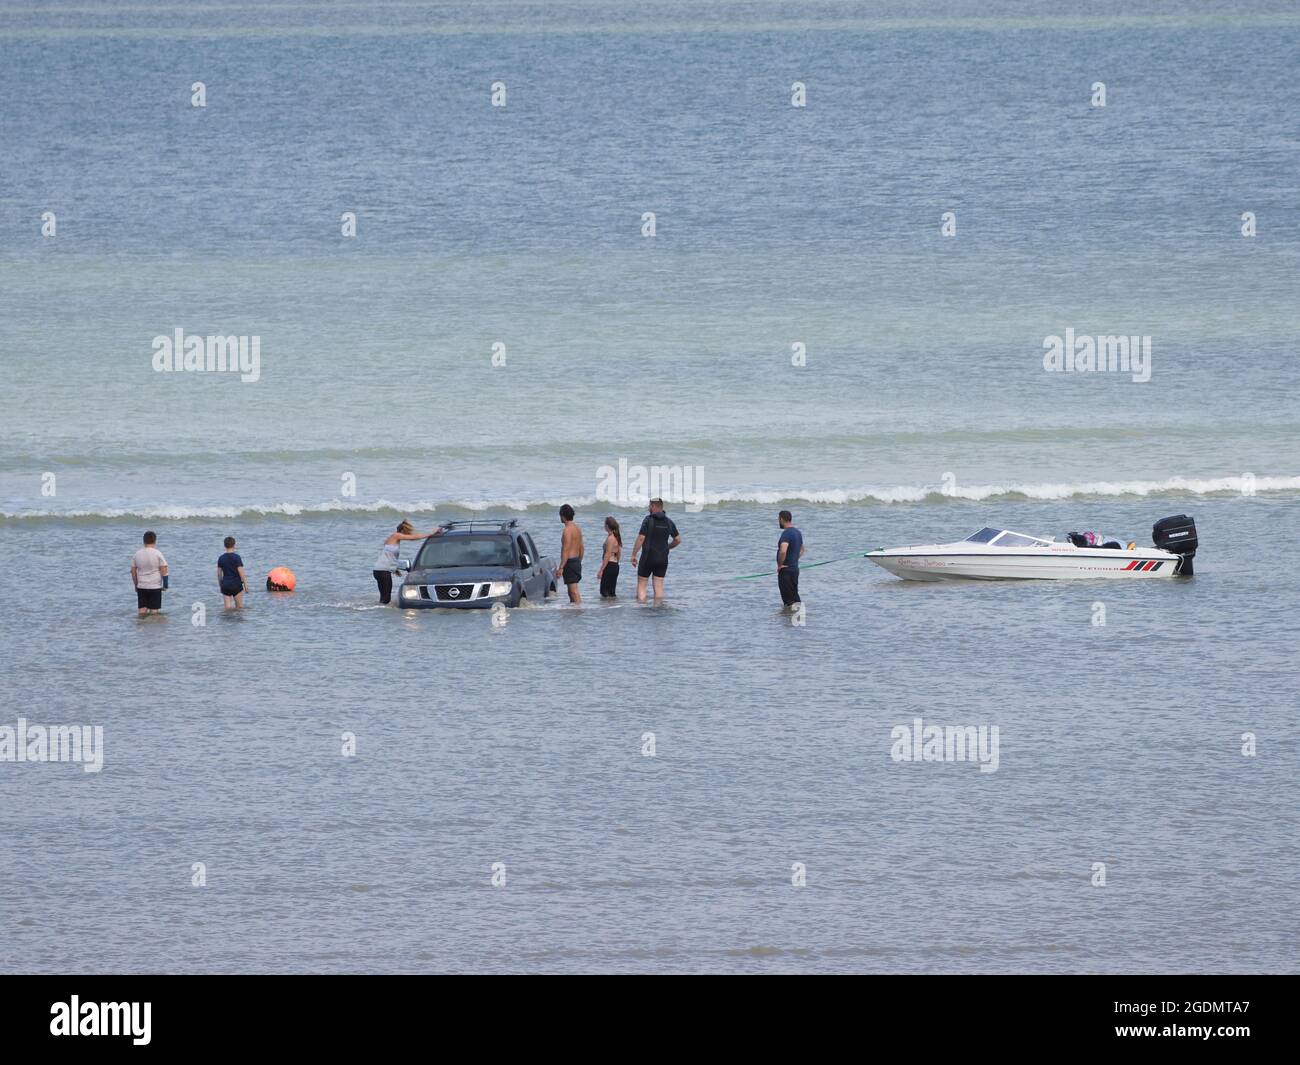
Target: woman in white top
[{"x": 386, "y": 563}]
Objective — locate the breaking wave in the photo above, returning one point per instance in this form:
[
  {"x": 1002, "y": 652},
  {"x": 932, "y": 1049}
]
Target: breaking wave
[{"x": 899, "y": 495}]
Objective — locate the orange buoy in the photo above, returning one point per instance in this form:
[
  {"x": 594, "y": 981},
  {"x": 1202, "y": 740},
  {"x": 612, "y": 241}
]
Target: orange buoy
[{"x": 280, "y": 579}]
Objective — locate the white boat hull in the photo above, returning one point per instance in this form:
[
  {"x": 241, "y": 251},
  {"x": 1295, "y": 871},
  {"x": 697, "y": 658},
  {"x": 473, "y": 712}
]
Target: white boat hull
[{"x": 1057, "y": 563}]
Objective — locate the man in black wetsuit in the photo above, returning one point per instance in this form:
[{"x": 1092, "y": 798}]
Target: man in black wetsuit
[{"x": 659, "y": 536}]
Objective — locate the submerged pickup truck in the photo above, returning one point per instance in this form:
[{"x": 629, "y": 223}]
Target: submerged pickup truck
[{"x": 477, "y": 564}]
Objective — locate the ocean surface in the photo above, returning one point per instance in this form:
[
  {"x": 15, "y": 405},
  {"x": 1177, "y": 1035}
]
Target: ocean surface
[{"x": 798, "y": 331}]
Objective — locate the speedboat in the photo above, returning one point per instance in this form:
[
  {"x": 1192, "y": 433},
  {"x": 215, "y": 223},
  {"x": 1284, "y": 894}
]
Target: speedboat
[{"x": 1000, "y": 554}]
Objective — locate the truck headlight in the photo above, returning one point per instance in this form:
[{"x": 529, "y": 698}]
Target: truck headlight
[
  {"x": 500, "y": 588},
  {"x": 409, "y": 591}
]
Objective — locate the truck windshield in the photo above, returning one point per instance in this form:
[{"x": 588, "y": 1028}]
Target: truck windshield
[{"x": 442, "y": 552}]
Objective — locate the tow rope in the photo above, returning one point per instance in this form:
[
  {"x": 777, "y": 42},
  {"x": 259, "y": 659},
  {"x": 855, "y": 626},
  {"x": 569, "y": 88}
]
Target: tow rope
[{"x": 810, "y": 565}]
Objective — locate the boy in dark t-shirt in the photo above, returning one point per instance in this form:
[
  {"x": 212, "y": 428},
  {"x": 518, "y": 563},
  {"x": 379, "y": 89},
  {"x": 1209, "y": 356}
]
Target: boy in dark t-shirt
[{"x": 230, "y": 577}]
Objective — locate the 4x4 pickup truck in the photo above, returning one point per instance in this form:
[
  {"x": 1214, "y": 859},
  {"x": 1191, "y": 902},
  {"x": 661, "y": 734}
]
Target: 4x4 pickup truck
[{"x": 476, "y": 564}]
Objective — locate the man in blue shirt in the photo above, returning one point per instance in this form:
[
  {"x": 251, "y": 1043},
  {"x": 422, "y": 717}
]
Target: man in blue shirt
[{"x": 789, "y": 549}]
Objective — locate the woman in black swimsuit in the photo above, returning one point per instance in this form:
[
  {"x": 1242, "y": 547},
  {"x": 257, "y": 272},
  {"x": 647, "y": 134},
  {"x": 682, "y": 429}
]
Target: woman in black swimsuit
[{"x": 608, "y": 572}]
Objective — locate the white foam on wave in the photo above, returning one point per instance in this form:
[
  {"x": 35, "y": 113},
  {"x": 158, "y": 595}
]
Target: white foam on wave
[
  {"x": 901, "y": 494},
  {"x": 1237, "y": 485},
  {"x": 184, "y": 513}
]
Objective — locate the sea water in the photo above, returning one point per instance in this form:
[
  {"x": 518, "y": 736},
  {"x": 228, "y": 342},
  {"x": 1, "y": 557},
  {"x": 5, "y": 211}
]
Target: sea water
[{"x": 844, "y": 309}]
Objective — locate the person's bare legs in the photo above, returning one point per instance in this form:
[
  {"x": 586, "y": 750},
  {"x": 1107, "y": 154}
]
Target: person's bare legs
[
  {"x": 575, "y": 595},
  {"x": 640, "y": 589},
  {"x": 659, "y": 588}
]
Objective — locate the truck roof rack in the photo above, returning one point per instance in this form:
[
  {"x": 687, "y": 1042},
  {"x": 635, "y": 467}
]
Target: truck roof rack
[{"x": 497, "y": 524}]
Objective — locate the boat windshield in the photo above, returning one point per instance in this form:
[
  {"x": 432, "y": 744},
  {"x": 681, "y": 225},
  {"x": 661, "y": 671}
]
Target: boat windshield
[
  {"x": 1010, "y": 539},
  {"x": 983, "y": 536}
]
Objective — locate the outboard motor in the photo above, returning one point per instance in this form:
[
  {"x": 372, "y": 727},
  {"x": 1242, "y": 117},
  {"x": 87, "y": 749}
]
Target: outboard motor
[{"x": 1178, "y": 535}]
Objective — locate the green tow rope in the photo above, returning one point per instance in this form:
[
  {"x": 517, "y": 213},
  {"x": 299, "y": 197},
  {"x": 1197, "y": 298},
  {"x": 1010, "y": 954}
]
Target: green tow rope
[{"x": 810, "y": 565}]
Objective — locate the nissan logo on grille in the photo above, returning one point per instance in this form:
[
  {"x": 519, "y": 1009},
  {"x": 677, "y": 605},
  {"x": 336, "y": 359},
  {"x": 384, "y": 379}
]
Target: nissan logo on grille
[{"x": 454, "y": 593}]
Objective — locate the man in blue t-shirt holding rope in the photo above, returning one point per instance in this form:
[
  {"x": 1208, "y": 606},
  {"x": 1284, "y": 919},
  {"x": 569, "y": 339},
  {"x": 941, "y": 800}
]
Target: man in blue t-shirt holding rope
[{"x": 789, "y": 549}]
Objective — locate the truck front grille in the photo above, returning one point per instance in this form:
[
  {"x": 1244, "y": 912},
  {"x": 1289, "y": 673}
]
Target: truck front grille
[{"x": 458, "y": 593}]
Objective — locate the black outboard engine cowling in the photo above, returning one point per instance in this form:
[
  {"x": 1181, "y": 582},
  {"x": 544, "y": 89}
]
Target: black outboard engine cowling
[{"x": 1177, "y": 534}]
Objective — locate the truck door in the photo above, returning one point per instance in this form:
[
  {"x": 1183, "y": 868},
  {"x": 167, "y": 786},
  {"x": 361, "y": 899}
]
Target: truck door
[
  {"x": 543, "y": 576},
  {"x": 532, "y": 568}
]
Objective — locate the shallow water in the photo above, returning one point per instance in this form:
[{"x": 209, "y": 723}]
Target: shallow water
[{"x": 923, "y": 413}]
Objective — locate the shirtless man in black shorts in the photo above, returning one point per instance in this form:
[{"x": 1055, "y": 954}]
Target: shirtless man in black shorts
[{"x": 570, "y": 567}]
